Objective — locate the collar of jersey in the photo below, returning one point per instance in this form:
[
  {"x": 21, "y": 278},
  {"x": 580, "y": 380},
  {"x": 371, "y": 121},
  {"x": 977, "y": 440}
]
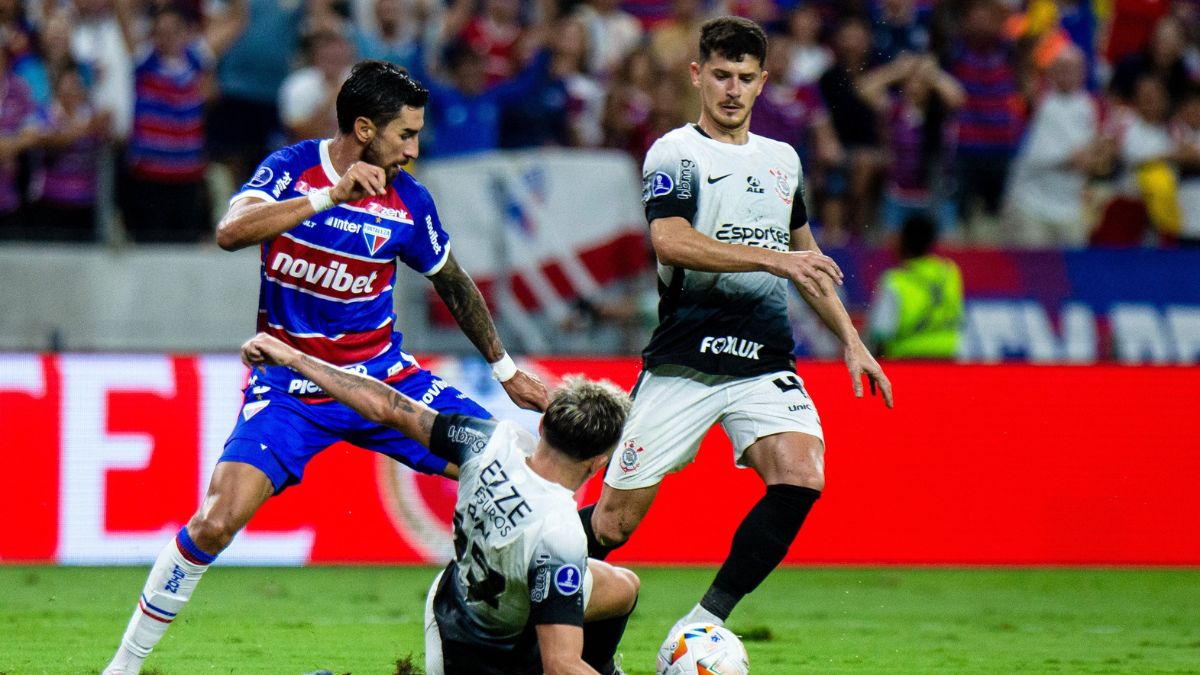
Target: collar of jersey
[
  {"x": 746, "y": 147},
  {"x": 327, "y": 163}
]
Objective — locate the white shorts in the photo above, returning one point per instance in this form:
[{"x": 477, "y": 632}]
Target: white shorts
[
  {"x": 674, "y": 407},
  {"x": 433, "y": 639}
]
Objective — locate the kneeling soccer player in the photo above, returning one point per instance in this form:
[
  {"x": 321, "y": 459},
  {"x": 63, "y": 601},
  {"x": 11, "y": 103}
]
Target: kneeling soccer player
[{"x": 516, "y": 597}]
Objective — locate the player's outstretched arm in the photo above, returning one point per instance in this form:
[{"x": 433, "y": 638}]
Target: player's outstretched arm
[
  {"x": 833, "y": 314},
  {"x": 366, "y": 395},
  {"x": 562, "y": 649},
  {"x": 677, "y": 244},
  {"x": 252, "y": 221},
  {"x": 466, "y": 305}
]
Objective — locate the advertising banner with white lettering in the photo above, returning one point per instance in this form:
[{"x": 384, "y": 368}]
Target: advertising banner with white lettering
[
  {"x": 1081, "y": 306},
  {"x": 104, "y": 457}
]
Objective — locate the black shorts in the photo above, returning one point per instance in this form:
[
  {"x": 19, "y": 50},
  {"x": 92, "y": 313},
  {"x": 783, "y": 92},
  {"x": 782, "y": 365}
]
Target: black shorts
[{"x": 465, "y": 652}]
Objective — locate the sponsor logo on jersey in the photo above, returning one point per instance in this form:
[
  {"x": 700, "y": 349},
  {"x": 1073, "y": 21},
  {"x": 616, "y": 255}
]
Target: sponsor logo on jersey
[
  {"x": 251, "y": 409},
  {"x": 376, "y": 237},
  {"x": 763, "y": 237},
  {"x": 686, "y": 168},
  {"x": 436, "y": 388},
  {"x": 753, "y": 184},
  {"x": 473, "y": 439},
  {"x": 783, "y": 187},
  {"x": 302, "y": 387},
  {"x": 330, "y": 275},
  {"x": 630, "y": 457},
  {"x": 261, "y": 177},
  {"x": 661, "y": 184},
  {"x": 281, "y": 184},
  {"x": 541, "y": 584},
  {"x": 433, "y": 238},
  {"x": 797, "y": 407},
  {"x": 712, "y": 180},
  {"x": 388, "y": 213},
  {"x": 568, "y": 580},
  {"x": 734, "y": 346},
  {"x": 343, "y": 224}
]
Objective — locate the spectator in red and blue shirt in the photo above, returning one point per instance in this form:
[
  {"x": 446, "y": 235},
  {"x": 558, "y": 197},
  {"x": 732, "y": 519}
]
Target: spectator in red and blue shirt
[
  {"x": 165, "y": 197},
  {"x": 992, "y": 118},
  {"x": 66, "y": 209}
]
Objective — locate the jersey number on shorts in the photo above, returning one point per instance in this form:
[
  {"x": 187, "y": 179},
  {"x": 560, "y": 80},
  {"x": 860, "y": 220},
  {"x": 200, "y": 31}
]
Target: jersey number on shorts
[
  {"x": 790, "y": 383},
  {"x": 484, "y": 584}
]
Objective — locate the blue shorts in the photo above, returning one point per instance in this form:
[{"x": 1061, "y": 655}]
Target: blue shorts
[{"x": 279, "y": 433}]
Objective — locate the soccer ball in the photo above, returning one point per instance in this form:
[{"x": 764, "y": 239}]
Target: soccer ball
[{"x": 703, "y": 649}]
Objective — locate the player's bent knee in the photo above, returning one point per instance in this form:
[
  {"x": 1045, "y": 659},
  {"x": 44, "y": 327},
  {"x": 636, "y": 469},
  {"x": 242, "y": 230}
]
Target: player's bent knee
[
  {"x": 609, "y": 530},
  {"x": 211, "y": 533},
  {"x": 631, "y": 585}
]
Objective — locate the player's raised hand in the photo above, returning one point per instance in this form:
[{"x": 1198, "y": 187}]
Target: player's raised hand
[
  {"x": 360, "y": 180},
  {"x": 860, "y": 362},
  {"x": 527, "y": 391},
  {"x": 263, "y": 350},
  {"x": 808, "y": 270}
]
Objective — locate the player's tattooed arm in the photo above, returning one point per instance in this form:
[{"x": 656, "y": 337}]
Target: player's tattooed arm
[
  {"x": 366, "y": 395},
  {"x": 466, "y": 305}
]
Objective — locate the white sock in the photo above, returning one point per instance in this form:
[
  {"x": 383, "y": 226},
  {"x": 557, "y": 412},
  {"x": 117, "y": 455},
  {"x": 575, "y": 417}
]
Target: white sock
[
  {"x": 701, "y": 615},
  {"x": 168, "y": 588}
]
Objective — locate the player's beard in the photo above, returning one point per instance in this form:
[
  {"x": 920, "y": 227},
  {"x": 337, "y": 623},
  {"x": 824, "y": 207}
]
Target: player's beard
[
  {"x": 371, "y": 155},
  {"x": 739, "y": 120}
]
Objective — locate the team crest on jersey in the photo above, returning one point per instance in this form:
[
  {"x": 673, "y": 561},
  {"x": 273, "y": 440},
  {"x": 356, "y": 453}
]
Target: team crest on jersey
[
  {"x": 783, "y": 187},
  {"x": 568, "y": 580},
  {"x": 630, "y": 458},
  {"x": 251, "y": 409},
  {"x": 376, "y": 237}
]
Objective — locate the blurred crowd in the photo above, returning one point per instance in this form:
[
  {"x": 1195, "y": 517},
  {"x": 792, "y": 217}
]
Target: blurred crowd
[{"x": 1034, "y": 123}]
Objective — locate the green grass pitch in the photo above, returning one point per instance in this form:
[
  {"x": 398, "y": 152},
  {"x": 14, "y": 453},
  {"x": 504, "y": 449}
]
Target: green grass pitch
[{"x": 802, "y": 620}]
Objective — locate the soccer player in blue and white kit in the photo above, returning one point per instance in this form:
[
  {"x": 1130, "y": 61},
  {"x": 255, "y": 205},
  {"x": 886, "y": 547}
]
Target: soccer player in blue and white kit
[
  {"x": 331, "y": 218},
  {"x": 515, "y": 599}
]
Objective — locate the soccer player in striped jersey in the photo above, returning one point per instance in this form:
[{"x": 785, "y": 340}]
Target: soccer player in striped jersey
[{"x": 331, "y": 218}]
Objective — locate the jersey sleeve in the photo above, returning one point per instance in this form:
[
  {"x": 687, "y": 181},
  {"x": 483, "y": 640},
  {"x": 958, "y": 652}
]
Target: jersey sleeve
[
  {"x": 670, "y": 182},
  {"x": 270, "y": 178},
  {"x": 799, "y": 209},
  {"x": 556, "y": 578},
  {"x": 459, "y": 438},
  {"x": 429, "y": 246}
]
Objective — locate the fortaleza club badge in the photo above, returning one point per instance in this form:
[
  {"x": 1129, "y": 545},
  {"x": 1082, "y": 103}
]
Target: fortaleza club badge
[{"x": 376, "y": 237}]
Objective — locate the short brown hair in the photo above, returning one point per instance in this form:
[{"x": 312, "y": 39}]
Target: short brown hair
[
  {"x": 732, "y": 37},
  {"x": 585, "y": 418}
]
